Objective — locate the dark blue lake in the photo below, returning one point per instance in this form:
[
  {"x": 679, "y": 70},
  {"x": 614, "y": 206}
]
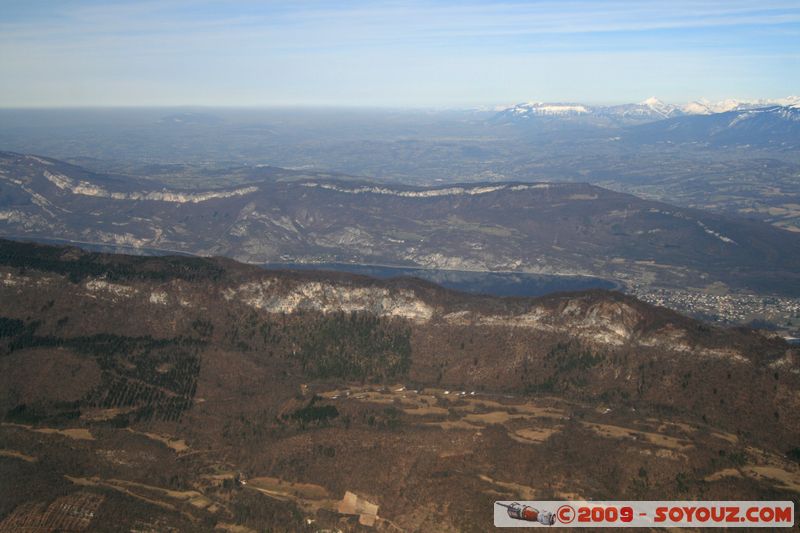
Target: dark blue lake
[{"x": 493, "y": 283}]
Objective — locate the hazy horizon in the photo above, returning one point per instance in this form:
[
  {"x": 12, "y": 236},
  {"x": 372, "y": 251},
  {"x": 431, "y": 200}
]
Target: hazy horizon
[{"x": 372, "y": 107}]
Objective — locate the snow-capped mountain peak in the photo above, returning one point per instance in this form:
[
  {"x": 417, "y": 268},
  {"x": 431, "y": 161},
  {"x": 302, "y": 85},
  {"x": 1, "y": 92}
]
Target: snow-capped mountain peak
[
  {"x": 658, "y": 107},
  {"x": 529, "y": 109},
  {"x": 706, "y": 107},
  {"x": 652, "y": 102}
]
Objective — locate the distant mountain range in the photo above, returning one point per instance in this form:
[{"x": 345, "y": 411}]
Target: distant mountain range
[
  {"x": 761, "y": 123},
  {"x": 777, "y": 126},
  {"x": 547, "y": 228},
  {"x": 650, "y": 109}
]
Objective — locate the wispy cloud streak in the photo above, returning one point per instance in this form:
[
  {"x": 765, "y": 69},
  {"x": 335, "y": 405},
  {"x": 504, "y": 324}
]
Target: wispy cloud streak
[{"x": 170, "y": 42}]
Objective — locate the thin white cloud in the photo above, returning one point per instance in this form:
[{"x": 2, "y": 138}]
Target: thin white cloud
[
  {"x": 250, "y": 51},
  {"x": 409, "y": 19}
]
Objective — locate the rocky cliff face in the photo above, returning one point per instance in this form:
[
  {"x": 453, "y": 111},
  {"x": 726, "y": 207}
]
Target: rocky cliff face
[
  {"x": 86, "y": 188},
  {"x": 331, "y": 298}
]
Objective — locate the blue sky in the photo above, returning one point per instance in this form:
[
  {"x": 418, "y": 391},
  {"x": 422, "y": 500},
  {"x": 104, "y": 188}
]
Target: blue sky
[{"x": 420, "y": 54}]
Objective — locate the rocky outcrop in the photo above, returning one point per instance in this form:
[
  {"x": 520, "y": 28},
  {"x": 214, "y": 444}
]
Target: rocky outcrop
[
  {"x": 267, "y": 295},
  {"x": 86, "y": 188}
]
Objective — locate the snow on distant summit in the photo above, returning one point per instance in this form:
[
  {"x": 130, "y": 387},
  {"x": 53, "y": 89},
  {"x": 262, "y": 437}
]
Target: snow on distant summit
[
  {"x": 529, "y": 109},
  {"x": 705, "y": 107},
  {"x": 747, "y": 124},
  {"x": 659, "y": 107},
  {"x": 650, "y": 109}
]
